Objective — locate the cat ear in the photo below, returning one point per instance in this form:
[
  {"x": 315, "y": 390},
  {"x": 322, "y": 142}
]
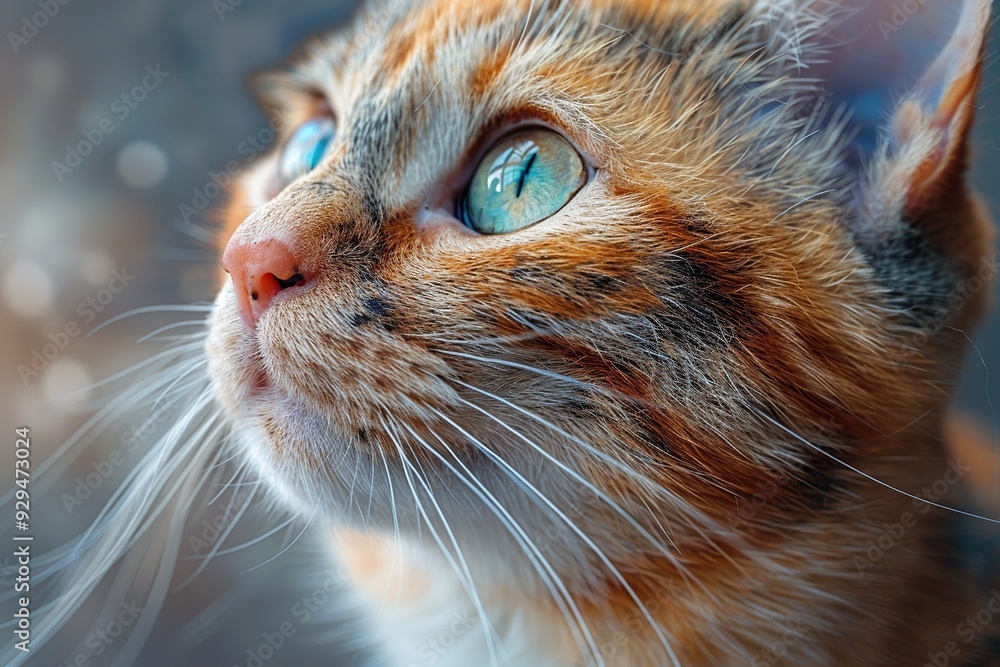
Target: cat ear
[
  {"x": 909, "y": 71},
  {"x": 937, "y": 115}
]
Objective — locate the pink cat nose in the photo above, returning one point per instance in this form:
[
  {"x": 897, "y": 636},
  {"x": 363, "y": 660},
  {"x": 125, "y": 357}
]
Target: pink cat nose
[{"x": 260, "y": 269}]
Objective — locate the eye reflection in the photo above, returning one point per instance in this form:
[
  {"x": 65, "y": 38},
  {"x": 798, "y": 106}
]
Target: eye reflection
[
  {"x": 512, "y": 167},
  {"x": 526, "y": 177}
]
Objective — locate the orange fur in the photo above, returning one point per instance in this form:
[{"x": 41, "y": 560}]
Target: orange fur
[{"x": 697, "y": 328}]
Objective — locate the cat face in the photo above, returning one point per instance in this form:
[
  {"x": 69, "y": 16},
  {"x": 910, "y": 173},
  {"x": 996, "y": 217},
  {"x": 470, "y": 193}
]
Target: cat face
[{"x": 520, "y": 267}]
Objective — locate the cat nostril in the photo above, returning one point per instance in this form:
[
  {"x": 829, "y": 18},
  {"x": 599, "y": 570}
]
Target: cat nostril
[
  {"x": 260, "y": 270},
  {"x": 296, "y": 279}
]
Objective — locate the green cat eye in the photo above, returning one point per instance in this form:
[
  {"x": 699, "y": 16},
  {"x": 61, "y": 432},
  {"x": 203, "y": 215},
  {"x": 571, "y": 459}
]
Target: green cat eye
[
  {"x": 306, "y": 147},
  {"x": 525, "y": 178}
]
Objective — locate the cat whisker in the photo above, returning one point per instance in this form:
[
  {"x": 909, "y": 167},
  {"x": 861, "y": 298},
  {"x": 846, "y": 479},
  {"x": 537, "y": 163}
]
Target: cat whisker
[
  {"x": 145, "y": 363},
  {"x": 478, "y": 340},
  {"x": 703, "y": 525},
  {"x": 51, "y": 469},
  {"x": 550, "y": 579},
  {"x": 989, "y": 396},
  {"x": 830, "y": 456},
  {"x": 647, "y": 484},
  {"x": 801, "y": 202},
  {"x": 623, "y": 32},
  {"x": 250, "y": 543},
  {"x": 142, "y": 482},
  {"x": 227, "y": 460},
  {"x": 230, "y": 483},
  {"x": 460, "y": 567},
  {"x": 574, "y": 474},
  {"x": 396, "y": 538},
  {"x": 221, "y": 539},
  {"x": 290, "y": 545},
  {"x": 176, "y": 325},
  {"x": 538, "y": 371},
  {"x": 612, "y": 569},
  {"x": 192, "y": 366},
  {"x": 168, "y": 471},
  {"x": 354, "y": 479},
  {"x": 175, "y": 308}
]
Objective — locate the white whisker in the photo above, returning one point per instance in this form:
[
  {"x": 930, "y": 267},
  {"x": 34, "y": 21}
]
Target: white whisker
[
  {"x": 291, "y": 544},
  {"x": 550, "y": 578},
  {"x": 830, "y": 456},
  {"x": 180, "y": 308},
  {"x": 460, "y": 566},
  {"x": 519, "y": 478}
]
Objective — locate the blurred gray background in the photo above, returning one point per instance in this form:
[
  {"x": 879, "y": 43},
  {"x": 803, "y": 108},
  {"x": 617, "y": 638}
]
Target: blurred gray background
[{"x": 63, "y": 235}]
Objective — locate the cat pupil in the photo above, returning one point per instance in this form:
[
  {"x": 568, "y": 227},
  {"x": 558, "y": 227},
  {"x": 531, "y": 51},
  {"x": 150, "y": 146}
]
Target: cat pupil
[
  {"x": 317, "y": 153},
  {"x": 524, "y": 173}
]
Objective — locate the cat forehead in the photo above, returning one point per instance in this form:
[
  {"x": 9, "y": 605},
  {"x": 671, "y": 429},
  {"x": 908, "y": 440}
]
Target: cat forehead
[
  {"x": 407, "y": 45},
  {"x": 417, "y": 82}
]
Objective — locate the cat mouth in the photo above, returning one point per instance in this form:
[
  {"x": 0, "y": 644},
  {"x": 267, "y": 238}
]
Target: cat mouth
[{"x": 259, "y": 382}]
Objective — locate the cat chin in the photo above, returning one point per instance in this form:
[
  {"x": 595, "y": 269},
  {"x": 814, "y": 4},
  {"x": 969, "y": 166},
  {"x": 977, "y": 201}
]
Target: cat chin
[
  {"x": 294, "y": 468},
  {"x": 325, "y": 473},
  {"x": 324, "y": 476}
]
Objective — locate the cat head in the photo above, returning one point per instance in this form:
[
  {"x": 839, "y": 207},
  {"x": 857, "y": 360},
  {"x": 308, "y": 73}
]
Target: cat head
[{"x": 536, "y": 266}]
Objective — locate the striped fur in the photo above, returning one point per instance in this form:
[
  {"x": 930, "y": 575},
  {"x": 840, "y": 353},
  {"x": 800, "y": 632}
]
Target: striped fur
[{"x": 631, "y": 434}]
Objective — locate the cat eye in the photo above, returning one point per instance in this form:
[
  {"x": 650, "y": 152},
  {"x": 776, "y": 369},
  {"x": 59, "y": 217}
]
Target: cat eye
[
  {"x": 525, "y": 178},
  {"x": 305, "y": 149}
]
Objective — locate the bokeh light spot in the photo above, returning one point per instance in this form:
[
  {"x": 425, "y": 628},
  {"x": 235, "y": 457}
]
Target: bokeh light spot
[
  {"x": 63, "y": 380},
  {"x": 97, "y": 267},
  {"x": 28, "y": 288},
  {"x": 142, "y": 164}
]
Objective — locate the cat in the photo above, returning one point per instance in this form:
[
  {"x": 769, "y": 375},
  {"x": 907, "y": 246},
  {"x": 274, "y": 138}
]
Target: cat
[
  {"x": 718, "y": 286},
  {"x": 621, "y": 333}
]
